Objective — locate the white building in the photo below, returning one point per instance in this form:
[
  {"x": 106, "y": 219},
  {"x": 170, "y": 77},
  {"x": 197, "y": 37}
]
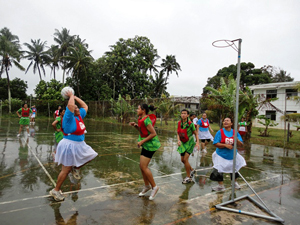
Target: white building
[{"x": 284, "y": 92}]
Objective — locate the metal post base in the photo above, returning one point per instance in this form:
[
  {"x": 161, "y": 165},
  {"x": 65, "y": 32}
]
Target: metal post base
[{"x": 262, "y": 206}]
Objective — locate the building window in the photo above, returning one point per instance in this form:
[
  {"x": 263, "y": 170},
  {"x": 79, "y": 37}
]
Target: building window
[
  {"x": 271, "y": 93},
  {"x": 289, "y": 112},
  {"x": 197, "y": 106},
  {"x": 271, "y": 115},
  {"x": 291, "y": 92},
  {"x": 187, "y": 106}
]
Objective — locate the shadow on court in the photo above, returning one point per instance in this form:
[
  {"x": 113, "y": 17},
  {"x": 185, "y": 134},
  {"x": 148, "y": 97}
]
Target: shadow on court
[{"x": 110, "y": 184}]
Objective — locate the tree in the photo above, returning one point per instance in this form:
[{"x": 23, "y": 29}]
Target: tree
[
  {"x": 166, "y": 107},
  {"x": 49, "y": 90},
  {"x": 122, "y": 108},
  {"x": 267, "y": 123},
  {"x": 222, "y": 101},
  {"x": 77, "y": 62},
  {"x": 282, "y": 76},
  {"x": 170, "y": 65},
  {"x": 125, "y": 67},
  {"x": 10, "y": 51},
  {"x": 53, "y": 59},
  {"x": 249, "y": 76},
  {"x": 159, "y": 85},
  {"x": 64, "y": 41},
  {"x": 18, "y": 88},
  {"x": 37, "y": 55}
]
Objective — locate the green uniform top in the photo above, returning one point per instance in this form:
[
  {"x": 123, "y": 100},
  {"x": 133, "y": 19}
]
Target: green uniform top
[
  {"x": 190, "y": 144},
  {"x": 243, "y": 123},
  {"x": 153, "y": 144},
  {"x": 58, "y": 135}
]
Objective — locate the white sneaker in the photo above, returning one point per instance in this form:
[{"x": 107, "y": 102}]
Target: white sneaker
[
  {"x": 153, "y": 193},
  {"x": 192, "y": 173},
  {"x": 218, "y": 188},
  {"x": 204, "y": 150},
  {"x": 145, "y": 190},
  {"x": 187, "y": 180},
  {"x": 18, "y": 135},
  {"x": 237, "y": 186}
]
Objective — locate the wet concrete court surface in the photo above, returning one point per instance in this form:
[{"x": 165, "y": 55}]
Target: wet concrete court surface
[{"x": 108, "y": 191}]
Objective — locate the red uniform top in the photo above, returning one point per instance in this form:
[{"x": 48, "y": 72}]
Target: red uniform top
[
  {"x": 56, "y": 113},
  {"x": 225, "y": 139},
  {"x": 141, "y": 123},
  {"x": 25, "y": 113},
  {"x": 182, "y": 133},
  {"x": 80, "y": 127},
  {"x": 204, "y": 124}
]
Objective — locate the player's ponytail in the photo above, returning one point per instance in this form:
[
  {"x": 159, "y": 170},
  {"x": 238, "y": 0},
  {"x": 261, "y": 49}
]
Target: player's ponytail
[{"x": 147, "y": 108}]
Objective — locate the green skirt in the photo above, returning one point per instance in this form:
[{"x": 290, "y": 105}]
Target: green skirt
[
  {"x": 58, "y": 136},
  {"x": 187, "y": 146},
  {"x": 24, "y": 121}
]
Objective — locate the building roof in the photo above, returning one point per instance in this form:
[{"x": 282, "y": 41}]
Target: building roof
[
  {"x": 274, "y": 85},
  {"x": 186, "y": 99}
]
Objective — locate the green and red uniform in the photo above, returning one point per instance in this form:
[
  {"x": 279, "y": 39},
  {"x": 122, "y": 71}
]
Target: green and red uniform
[
  {"x": 24, "y": 116},
  {"x": 153, "y": 144}
]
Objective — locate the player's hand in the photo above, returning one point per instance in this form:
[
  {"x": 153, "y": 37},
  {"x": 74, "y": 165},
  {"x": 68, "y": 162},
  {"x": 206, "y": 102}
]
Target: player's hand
[
  {"x": 133, "y": 124},
  {"x": 179, "y": 142},
  {"x": 198, "y": 146},
  {"x": 229, "y": 146},
  {"x": 58, "y": 130},
  {"x": 140, "y": 144},
  {"x": 69, "y": 93}
]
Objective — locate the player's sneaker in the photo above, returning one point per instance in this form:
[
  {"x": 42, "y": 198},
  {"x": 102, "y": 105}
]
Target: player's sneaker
[
  {"x": 145, "y": 190},
  {"x": 57, "y": 195},
  {"x": 187, "y": 180},
  {"x": 237, "y": 186},
  {"x": 218, "y": 188},
  {"x": 192, "y": 173},
  {"x": 153, "y": 193}
]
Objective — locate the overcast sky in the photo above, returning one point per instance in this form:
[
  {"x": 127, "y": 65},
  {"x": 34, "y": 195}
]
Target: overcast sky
[{"x": 186, "y": 29}]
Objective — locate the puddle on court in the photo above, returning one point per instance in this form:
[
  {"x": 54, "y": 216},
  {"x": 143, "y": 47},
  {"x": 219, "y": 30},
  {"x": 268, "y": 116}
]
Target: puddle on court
[{"x": 107, "y": 193}]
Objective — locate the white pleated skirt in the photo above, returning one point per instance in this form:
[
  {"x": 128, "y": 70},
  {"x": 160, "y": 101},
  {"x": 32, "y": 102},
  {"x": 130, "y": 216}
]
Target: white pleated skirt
[
  {"x": 205, "y": 135},
  {"x": 225, "y": 165},
  {"x": 73, "y": 153}
]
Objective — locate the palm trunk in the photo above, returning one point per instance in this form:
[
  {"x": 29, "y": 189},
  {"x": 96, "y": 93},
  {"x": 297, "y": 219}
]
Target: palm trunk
[
  {"x": 63, "y": 80},
  {"x": 39, "y": 73},
  {"x": 8, "y": 88}
]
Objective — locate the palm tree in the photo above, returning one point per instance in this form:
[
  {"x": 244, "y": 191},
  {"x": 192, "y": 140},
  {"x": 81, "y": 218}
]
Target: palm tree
[
  {"x": 77, "y": 62},
  {"x": 10, "y": 51},
  {"x": 53, "y": 60},
  {"x": 159, "y": 85},
  {"x": 64, "y": 41},
  {"x": 282, "y": 76},
  {"x": 37, "y": 55},
  {"x": 170, "y": 65}
]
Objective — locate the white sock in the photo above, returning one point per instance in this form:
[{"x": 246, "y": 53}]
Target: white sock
[{"x": 154, "y": 188}]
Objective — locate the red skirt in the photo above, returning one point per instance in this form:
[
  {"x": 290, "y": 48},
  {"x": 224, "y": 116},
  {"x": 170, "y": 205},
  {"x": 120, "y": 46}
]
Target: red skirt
[{"x": 242, "y": 133}]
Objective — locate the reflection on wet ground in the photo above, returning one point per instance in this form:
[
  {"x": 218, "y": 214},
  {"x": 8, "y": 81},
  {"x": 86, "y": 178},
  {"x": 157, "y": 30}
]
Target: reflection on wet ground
[{"x": 108, "y": 191}]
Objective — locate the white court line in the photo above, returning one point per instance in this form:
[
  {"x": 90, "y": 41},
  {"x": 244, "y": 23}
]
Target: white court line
[
  {"x": 53, "y": 182},
  {"x": 95, "y": 188},
  {"x": 208, "y": 194}
]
